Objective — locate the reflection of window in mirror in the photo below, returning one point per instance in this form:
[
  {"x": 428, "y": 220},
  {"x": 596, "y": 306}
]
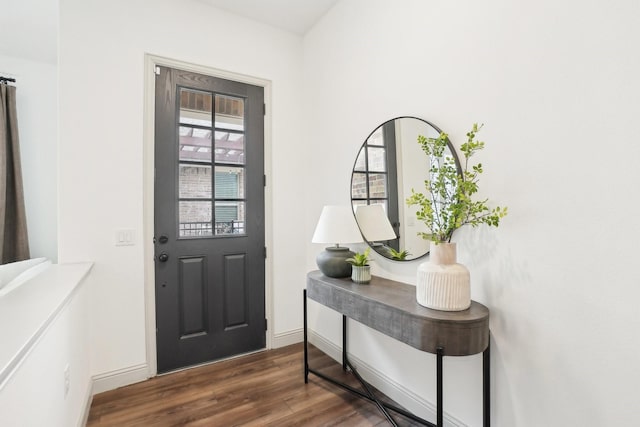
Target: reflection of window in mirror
[{"x": 374, "y": 178}]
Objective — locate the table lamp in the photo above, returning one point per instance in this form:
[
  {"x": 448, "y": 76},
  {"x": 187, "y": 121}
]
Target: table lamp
[{"x": 336, "y": 225}]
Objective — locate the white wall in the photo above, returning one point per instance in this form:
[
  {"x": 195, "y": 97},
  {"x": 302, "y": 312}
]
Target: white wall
[
  {"x": 34, "y": 395},
  {"x": 37, "y": 104},
  {"x": 556, "y": 85},
  {"x": 102, "y": 48}
]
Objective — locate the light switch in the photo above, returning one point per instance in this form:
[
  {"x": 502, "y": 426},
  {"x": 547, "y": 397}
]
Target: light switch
[{"x": 125, "y": 237}]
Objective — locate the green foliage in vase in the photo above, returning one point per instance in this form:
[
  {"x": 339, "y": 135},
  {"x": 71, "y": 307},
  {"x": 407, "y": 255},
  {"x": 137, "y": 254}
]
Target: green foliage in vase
[
  {"x": 398, "y": 256},
  {"x": 449, "y": 203},
  {"x": 359, "y": 259}
]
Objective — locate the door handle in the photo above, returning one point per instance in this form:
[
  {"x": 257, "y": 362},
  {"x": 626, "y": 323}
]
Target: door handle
[{"x": 163, "y": 257}]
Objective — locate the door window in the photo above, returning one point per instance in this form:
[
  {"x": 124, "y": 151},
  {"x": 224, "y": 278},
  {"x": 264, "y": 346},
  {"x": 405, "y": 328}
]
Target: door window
[{"x": 211, "y": 204}]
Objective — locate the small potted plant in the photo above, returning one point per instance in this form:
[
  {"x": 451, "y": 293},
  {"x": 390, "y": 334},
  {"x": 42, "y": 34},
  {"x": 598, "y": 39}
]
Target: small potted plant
[
  {"x": 447, "y": 206},
  {"x": 360, "y": 269}
]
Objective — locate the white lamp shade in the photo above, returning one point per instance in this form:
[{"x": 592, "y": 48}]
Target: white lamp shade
[
  {"x": 374, "y": 223},
  {"x": 337, "y": 225}
]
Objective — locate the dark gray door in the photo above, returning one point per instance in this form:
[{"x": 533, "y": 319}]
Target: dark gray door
[{"x": 209, "y": 218}]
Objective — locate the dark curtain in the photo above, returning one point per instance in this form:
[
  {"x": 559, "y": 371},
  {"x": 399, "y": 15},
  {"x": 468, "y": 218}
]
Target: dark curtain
[{"x": 14, "y": 245}]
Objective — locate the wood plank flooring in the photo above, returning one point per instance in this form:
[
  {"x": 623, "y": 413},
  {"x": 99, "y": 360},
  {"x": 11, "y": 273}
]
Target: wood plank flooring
[{"x": 262, "y": 389}]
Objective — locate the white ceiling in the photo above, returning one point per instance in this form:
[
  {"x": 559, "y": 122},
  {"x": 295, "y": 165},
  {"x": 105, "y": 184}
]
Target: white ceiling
[
  {"x": 296, "y": 16},
  {"x": 29, "y": 29}
]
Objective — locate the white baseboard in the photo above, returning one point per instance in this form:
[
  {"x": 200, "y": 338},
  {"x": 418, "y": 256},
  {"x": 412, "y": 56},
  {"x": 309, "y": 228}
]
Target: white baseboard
[
  {"x": 396, "y": 391},
  {"x": 284, "y": 339},
  {"x": 119, "y": 378}
]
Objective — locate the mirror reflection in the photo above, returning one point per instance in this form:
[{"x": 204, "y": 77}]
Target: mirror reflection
[{"x": 389, "y": 164}]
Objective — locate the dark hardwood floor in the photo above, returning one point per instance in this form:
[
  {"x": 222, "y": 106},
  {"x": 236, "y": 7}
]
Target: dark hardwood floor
[{"x": 262, "y": 389}]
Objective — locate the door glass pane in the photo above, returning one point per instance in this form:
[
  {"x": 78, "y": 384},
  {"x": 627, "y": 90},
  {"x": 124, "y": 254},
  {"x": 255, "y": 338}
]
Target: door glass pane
[
  {"x": 377, "y": 161},
  {"x": 361, "y": 164},
  {"x": 229, "y": 112},
  {"x": 195, "y": 218},
  {"x": 229, "y": 147},
  {"x": 377, "y": 185},
  {"x": 230, "y": 218},
  {"x": 359, "y": 186},
  {"x": 376, "y": 138},
  {"x": 195, "y": 144},
  {"x": 195, "y": 107},
  {"x": 229, "y": 182},
  {"x": 194, "y": 181}
]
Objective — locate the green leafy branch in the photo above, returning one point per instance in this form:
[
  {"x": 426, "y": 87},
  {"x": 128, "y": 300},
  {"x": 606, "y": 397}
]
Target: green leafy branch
[{"x": 449, "y": 204}]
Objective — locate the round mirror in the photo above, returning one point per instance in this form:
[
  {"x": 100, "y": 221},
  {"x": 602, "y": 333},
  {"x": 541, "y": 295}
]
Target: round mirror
[{"x": 390, "y": 163}]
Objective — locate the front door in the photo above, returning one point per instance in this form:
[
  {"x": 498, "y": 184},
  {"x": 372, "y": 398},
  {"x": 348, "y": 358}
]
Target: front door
[{"x": 209, "y": 218}]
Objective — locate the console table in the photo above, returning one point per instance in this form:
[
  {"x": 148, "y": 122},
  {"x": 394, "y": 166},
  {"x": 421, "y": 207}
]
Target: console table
[{"x": 390, "y": 307}]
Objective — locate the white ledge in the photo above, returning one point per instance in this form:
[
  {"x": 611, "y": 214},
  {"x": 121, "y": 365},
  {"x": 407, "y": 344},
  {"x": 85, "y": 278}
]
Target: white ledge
[{"x": 27, "y": 312}]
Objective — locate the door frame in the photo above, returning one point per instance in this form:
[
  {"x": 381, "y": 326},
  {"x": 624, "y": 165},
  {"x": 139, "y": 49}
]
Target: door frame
[{"x": 150, "y": 62}]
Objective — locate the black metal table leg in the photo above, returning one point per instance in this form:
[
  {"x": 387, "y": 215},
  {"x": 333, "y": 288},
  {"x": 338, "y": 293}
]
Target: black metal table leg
[
  {"x": 344, "y": 342},
  {"x": 486, "y": 386},
  {"x": 372, "y": 396},
  {"x": 439, "y": 405},
  {"x": 306, "y": 354}
]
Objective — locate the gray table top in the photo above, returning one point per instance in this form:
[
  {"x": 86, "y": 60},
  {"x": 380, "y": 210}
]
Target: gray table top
[{"x": 390, "y": 307}]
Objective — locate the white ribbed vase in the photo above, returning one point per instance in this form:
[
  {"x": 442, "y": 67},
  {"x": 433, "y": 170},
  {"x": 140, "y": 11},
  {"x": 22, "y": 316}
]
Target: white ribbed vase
[{"x": 442, "y": 283}]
